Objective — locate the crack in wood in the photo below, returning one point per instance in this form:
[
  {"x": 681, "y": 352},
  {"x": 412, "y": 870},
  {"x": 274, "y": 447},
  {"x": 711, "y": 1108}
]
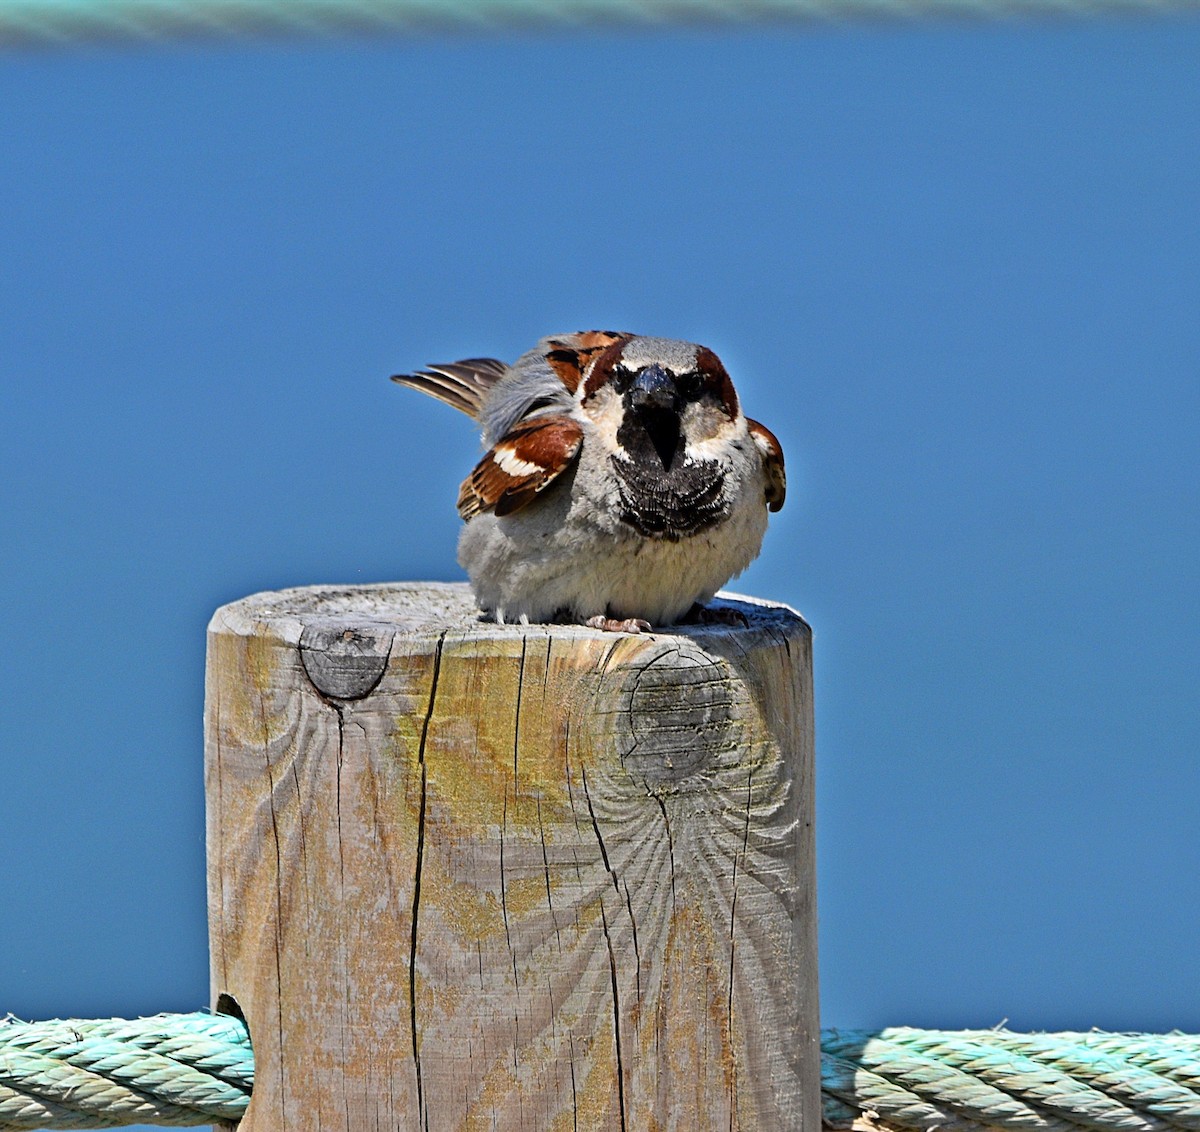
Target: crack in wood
[
  {"x": 422, "y": 1108},
  {"x": 546, "y": 874},
  {"x": 637, "y": 955},
  {"x": 596, "y": 827},
  {"x": 341, "y": 741},
  {"x": 504, "y": 896},
  {"x": 616, "y": 997},
  {"x": 733, "y": 941},
  {"x": 545, "y": 857},
  {"x": 517, "y": 721},
  {"x": 602, "y": 667},
  {"x": 266, "y": 749},
  {"x": 662, "y": 806}
]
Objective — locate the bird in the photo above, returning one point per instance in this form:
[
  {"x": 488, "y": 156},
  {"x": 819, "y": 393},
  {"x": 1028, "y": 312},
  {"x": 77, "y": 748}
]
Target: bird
[{"x": 622, "y": 485}]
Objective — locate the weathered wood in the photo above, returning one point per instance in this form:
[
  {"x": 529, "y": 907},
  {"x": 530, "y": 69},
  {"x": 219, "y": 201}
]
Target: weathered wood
[{"x": 469, "y": 876}]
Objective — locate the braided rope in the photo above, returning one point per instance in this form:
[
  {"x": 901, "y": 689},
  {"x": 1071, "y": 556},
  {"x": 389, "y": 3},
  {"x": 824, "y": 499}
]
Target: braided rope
[
  {"x": 966, "y": 1081},
  {"x": 190, "y": 1069},
  {"x": 172, "y": 1069},
  {"x": 49, "y": 22}
]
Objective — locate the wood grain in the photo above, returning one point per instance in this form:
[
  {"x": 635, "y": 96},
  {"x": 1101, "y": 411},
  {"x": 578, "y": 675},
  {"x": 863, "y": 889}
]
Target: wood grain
[{"x": 469, "y": 876}]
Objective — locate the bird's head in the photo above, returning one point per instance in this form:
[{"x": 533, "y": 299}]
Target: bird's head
[{"x": 660, "y": 401}]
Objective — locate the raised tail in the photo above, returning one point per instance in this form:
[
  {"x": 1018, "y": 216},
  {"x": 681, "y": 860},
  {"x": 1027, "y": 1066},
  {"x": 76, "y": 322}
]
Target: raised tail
[{"x": 461, "y": 385}]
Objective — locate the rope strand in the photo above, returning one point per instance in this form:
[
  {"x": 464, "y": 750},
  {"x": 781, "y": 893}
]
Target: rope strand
[
  {"x": 48, "y": 23},
  {"x": 185, "y": 1070}
]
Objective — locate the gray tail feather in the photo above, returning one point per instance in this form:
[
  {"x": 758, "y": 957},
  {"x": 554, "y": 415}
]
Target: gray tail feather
[{"x": 461, "y": 385}]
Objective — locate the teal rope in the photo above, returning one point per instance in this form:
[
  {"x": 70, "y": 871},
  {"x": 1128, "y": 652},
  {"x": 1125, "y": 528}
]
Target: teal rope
[
  {"x": 190, "y": 1069},
  {"x": 49, "y": 22},
  {"x": 967, "y": 1080},
  {"x": 173, "y": 1069}
]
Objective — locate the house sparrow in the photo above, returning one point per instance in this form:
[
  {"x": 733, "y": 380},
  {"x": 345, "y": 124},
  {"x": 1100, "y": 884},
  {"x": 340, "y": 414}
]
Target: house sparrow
[{"x": 622, "y": 486}]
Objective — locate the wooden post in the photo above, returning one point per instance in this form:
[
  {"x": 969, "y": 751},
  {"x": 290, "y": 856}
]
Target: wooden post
[{"x": 472, "y": 876}]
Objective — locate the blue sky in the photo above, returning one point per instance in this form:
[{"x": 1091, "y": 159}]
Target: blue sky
[{"x": 953, "y": 267}]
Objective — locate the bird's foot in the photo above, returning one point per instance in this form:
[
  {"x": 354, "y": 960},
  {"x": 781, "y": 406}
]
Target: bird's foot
[
  {"x": 702, "y": 615},
  {"x": 612, "y": 625}
]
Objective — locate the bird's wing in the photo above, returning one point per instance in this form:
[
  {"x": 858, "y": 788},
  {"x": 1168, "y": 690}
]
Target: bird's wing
[
  {"x": 772, "y": 458},
  {"x": 522, "y": 463},
  {"x": 461, "y": 385}
]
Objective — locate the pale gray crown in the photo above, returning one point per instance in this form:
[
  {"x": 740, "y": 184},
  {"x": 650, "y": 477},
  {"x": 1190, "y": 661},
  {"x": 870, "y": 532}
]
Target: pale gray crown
[{"x": 671, "y": 353}]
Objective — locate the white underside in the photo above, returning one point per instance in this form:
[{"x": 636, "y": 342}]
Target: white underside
[{"x": 568, "y": 553}]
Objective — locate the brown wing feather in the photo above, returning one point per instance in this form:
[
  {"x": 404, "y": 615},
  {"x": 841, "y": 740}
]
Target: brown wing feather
[
  {"x": 461, "y": 385},
  {"x": 524, "y": 462},
  {"x": 772, "y": 455}
]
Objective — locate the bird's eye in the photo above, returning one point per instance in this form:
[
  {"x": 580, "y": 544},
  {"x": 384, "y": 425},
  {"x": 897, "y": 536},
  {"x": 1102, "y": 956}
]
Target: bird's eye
[{"x": 690, "y": 386}]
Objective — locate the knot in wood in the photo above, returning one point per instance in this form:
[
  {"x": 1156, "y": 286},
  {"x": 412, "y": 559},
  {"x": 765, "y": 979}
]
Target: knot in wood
[
  {"x": 345, "y": 660},
  {"x": 675, "y": 714}
]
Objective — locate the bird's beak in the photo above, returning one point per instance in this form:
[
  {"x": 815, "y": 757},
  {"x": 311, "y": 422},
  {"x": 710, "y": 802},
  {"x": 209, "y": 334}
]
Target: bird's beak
[
  {"x": 654, "y": 401},
  {"x": 654, "y": 391}
]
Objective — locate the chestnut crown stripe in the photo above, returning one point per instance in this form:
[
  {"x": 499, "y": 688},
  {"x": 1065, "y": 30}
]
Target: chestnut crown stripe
[
  {"x": 718, "y": 379},
  {"x": 570, "y": 356},
  {"x": 601, "y": 366}
]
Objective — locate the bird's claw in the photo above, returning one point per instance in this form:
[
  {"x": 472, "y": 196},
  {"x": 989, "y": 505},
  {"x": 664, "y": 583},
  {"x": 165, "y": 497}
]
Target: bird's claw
[
  {"x": 612, "y": 625},
  {"x": 721, "y": 615}
]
